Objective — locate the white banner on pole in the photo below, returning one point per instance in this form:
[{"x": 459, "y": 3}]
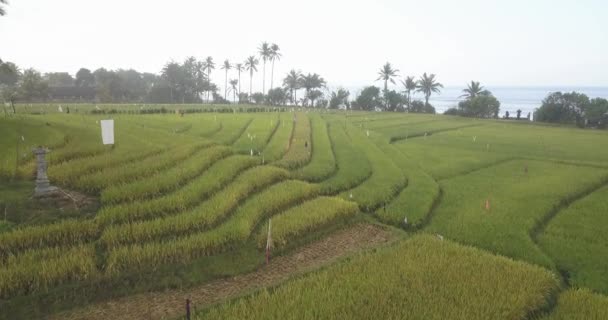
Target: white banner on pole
[{"x": 107, "y": 131}]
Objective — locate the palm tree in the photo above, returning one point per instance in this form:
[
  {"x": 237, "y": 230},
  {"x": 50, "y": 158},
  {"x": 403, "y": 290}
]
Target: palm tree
[
  {"x": 310, "y": 82},
  {"x": 387, "y": 73},
  {"x": 239, "y": 68},
  {"x": 233, "y": 84},
  {"x": 293, "y": 82},
  {"x": 209, "y": 65},
  {"x": 265, "y": 53},
  {"x": 410, "y": 85},
  {"x": 226, "y": 66},
  {"x": 2, "y": 11},
  {"x": 473, "y": 90},
  {"x": 427, "y": 85},
  {"x": 274, "y": 55},
  {"x": 252, "y": 66}
]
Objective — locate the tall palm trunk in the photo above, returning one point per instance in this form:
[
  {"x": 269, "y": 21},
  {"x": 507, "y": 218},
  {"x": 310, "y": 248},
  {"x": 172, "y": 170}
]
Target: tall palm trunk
[
  {"x": 264, "y": 80},
  {"x": 250, "y": 83},
  {"x": 209, "y": 80},
  {"x": 386, "y": 94},
  {"x": 272, "y": 75},
  {"x": 226, "y": 86},
  {"x": 239, "y": 86}
]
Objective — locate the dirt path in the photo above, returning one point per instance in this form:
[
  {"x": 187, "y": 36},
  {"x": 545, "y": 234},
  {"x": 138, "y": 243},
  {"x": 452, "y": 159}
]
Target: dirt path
[{"x": 170, "y": 304}]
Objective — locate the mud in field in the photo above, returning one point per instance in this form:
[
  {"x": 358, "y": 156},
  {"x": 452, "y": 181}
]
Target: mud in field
[{"x": 171, "y": 304}]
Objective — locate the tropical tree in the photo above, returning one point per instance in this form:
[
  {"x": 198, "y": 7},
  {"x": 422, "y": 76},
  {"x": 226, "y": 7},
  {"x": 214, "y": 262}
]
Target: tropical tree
[
  {"x": 9, "y": 73},
  {"x": 293, "y": 82},
  {"x": 427, "y": 85},
  {"x": 209, "y": 65},
  {"x": 2, "y": 11},
  {"x": 84, "y": 78},
  {"x": 274, "y": 55},
  {"x": 480, "y": 106},
  {"x": 473, "y": 90},
  {"x": 311, "y": 82},
  {"x": 277, "y": 96},
  {"x": 368, "y": 99},
  {"x": 409, "y": 83},
  {"x": 239, "y": 68},
  {"x": 339, "y": 98},
  {"x": 233, "y": 84},
  {"x": 226, "y": 66},
  {"x": 173, "y": 73},
  {"x": 265, "y": 53},
  {"x": 386, "y": 74},
  {"x": 251, "y": 64},
  {"x": 32, "y": 86},
  {"x": 314, "y": 95}
]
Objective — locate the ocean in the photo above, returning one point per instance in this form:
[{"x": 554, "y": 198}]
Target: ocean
[{"x": 511, "y": 98}]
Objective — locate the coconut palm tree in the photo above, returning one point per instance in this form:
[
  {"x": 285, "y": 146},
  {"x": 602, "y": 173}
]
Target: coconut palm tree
[
  {"x": 226, "y": 66},
  {"x": 209, "y": 65},
  {"x": 265, "y": 53},
  {"x": 387, "y": 73},
  {"x": 409, "y": 83},
  {"x": 239, "y": 68},
  {"x": 293, "y": 82},
  {"x": 427, "y": 85},
  {"x": 233, "y": 84},
  {"x": 473, "y": 90},
  {"x": 251, "y": 64},
  {"x": 310, "y": 82},
  {"x": 274, "y": 55}
]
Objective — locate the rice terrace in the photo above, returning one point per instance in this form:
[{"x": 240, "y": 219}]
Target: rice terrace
[
  {"x": 479, "y": 220},
  {"x": 365, "y": 160}
]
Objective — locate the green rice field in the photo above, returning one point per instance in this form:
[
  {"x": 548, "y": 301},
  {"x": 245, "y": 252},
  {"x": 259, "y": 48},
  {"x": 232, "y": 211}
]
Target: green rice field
[{"x": 494, "y": 219}]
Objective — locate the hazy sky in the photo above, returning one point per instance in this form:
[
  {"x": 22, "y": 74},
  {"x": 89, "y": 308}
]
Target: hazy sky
[{"x": 507, "y": 42}]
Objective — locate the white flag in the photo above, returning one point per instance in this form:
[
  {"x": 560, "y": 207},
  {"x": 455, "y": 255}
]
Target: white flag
[{"x": 107, "y": 131}]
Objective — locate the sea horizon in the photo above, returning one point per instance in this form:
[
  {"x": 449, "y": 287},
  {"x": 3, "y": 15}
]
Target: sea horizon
[{"x": 512, "y": 98}]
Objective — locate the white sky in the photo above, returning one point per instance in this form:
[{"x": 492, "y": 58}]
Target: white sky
[{"x": 508, "y": 42}]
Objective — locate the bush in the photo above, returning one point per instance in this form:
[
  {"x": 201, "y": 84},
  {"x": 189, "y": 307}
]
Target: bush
[
  {"x": 420, "y": 107},
  {"x": 482, "y": 106}
]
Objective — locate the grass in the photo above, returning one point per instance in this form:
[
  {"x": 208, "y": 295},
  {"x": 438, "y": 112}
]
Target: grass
[
  {"x": 322, "y": 163},
  {"x": 579, "y": 304},
  {"x": 219, "y": 175},
  {"x": 518, "y": 202},
  {"x": 385, "y": 181},
  {"x": 423, "y": 278},
  {"x": 305, "y": 218},
  {"x": 299, "y": 151},
  {"x": 577, "y": 241},
  {"x": 353, "y": 169},
  {"x": 181, "y": 207}
]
